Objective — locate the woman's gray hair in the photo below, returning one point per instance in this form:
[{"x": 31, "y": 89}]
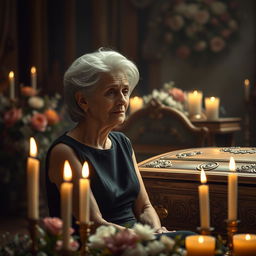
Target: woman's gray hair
[{"x": 85, "y": 72}]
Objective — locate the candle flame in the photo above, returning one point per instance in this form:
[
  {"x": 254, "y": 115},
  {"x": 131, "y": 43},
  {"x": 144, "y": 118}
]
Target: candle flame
[
  {"x": 203, "y": 176},
  {"x": 85, "y": 170},
  {"x": 232, "y": 164},
  {"x": 67, "y": 171},
  {"x": 200, "y": 239},
  {"x": 11, "y": 74},
  {"x": 247, "y": 237},
  {"x": 246, "y": 82},
  {"x": 195, "y": 92},
  {"x": 212, "y": 99},
  {"x": 33, "y": 70},
  {"x": 32, "y": 147}
]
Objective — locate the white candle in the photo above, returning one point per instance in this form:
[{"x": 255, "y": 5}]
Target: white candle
[
  {"x": 212, "y": 108},
  {"x": 84, "y": 194},
  {"x": 33, "y": 77},
  {"x": 136, "y": 103},
  {"x": 33, "y": 181},
  {"x": 232, "y": 191},
  {"x": 66, "y": 204},
  {"x": 247, "y": 89},
  {"x": 12, "y": 85},
  {"x": 195, "y": 103},
  {"x": 204, "y": 202},
  {"x": 244, "y": 244},
  {"x": 198, "y": 245}
]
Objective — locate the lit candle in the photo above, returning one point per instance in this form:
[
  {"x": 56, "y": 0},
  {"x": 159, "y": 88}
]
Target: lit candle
[
  {"x": 84, "y": 193},
  {"x": 232, "y": 191},
  {"x": 197, "y": 245},
  {"x": 204, "y": 202},
  {"x": 212, "y": 108},
  {"x": 195, "y": 103},
  {"x": 33, "y": 77},
  {"x": 244, "y": 244},
  {"x": 66, "y": 204},
  {"x": 246, "y": 89},
  {"x": 12, "y": 85},
  {"x": 33, "y": 181},
  {"x": 136, "y": 103}
]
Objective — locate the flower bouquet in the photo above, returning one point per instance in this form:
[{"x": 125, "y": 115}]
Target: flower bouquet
[{"x": 169, "y": 96}]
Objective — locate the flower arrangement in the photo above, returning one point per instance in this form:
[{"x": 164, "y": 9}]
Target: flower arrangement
[
  {"x": 49, "y": 241},
  {"x": 29, "y": 115},
  {"x": 138, "y": 241},
  {"x": 169, "y": 95},
  {"x": 196, "y": 27}
]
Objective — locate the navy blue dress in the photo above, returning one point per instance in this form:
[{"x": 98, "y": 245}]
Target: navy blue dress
[{"x": 114, "y": 182}]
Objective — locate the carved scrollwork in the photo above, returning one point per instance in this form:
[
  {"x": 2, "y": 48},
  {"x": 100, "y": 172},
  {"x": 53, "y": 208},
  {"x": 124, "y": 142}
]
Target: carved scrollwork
[
  {"x": 161, "y": 211},
  {"x": 247, "y": 168},
  {"x": 159, "y": 163},
  {"x": 238, "y": 150},
  {"x": 187, "y": 154},
  {"x": 207, "y": 166}
]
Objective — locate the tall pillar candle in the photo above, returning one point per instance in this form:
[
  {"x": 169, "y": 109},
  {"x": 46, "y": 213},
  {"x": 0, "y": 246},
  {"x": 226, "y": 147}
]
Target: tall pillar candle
[
  {"x": 197, "y": 245},
  {"x": 33, "y": 77},
  {"x": 212, "y": 108},
  {"x": 33, "y": 181},
  {"x": 246, "y": 89},
  {"x": 66, "y": 191},
  {"x": 12, "y": 85},
  {"x": 232, "y": 191},
  {"x": 136, "y": 103},
  {"x": 204, "y": 202},
  {"x": 84, "y": 195},
  {"x": 195, "y": 103},
  {"x": 244, "y": 244}
]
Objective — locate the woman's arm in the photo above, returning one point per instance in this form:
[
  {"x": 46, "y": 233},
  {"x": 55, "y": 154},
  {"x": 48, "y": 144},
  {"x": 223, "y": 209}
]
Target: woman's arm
[
  {"x": 59, "y": 154},
  {"x": 143, "y": 209}
]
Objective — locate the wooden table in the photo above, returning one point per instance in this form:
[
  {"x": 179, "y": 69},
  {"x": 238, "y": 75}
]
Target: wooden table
[
  {"x": 172, "y": 181},
  {"x": 221, "y": 131}
]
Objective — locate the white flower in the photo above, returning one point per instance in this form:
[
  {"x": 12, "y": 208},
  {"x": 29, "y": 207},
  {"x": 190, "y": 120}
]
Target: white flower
[
  {"x": 200, "y": 46},
  {"x": 36, "y": 102},
  {"x": 168, "y": 242},
  {"x": 139, "y": 250},
  {"x": 97, "y": 240},
  {"x": 144, "y": 232},
  {"x": 155, "y": 247},
  {"x": 202, "y": 16},
  {"x": 218, "y": 7},
  {"x": 175, "y": 22},
  {"x": 217, "y": 44}
]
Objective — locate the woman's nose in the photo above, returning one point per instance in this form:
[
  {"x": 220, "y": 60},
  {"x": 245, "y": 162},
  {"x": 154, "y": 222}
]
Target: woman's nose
[{"x": 122, "y": 98}]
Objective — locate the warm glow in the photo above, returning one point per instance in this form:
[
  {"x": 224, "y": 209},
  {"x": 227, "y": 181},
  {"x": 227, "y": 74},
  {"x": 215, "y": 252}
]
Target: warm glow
[
  {"x": 67, "y": 171},
  {"x": 200, "y": 239},
  {"x": 32, "y": 147},
  {"x": 246, "y": 82},
  {"x": 85, "y": 170},
  {"x": 232, "y": 164},
  {"x": 247, "y": 237},
  {"x": 203, "y": 176},
  {"x": 11, "y": 74},
  {"x": 212, "y": 99},
  {"x": 33, "y": 70},
  {"x": 195, "y": 92}
]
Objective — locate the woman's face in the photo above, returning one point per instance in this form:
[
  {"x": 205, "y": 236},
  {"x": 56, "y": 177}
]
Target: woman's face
[{"x": 110, "y": 99}]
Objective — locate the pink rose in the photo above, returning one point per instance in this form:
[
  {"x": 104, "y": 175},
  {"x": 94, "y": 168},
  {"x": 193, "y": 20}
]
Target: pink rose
[
  {"x": 39, "y": 122},
  {"x": 183, "y": 52},
  {"x": 217, "y": 44},
  {"x": 12, "y": 116},
  {"x": 123, "y": 240},
  {"x": 202, "y": 16},
  {"x": 53, "y": 225},
  {"x": 226, "y": 33},
  {"x": 177, "y": 94},
  {"x": 28, "y": 91},
  {"x": 73, "y": 245}
]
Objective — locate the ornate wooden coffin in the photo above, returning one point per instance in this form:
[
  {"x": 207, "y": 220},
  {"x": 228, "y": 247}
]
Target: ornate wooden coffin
[{"x": 172, "y": 181}]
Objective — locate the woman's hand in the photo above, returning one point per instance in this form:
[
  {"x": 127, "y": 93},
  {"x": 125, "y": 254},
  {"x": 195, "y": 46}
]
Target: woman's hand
[{"x": 161, "y": 230}]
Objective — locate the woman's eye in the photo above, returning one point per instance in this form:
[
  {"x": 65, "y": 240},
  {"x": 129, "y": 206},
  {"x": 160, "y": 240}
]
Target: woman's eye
[
  {"x": 126, "y": 91},
  {"x": 111, "y": 92}
]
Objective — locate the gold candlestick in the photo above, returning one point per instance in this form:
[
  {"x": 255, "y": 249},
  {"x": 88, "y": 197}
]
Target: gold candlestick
[
  {"x": 205, "y": 231},
  {"x": 232, "y": 228},
  {"x": 32, "y": 227},
  {"x": 85, "y": 229}
]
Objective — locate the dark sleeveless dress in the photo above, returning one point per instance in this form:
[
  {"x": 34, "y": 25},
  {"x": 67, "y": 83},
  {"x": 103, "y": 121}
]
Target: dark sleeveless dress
[{"x": 114, "y": 182}]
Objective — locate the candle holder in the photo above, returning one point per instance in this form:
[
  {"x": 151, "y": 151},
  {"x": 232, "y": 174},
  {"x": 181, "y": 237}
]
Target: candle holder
[
  {"x": 85, "y": 229},
  {"x": 205, "y": 231},
  {"x": 232, "y": 228},
  {"x": 32, "y": 227}
]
